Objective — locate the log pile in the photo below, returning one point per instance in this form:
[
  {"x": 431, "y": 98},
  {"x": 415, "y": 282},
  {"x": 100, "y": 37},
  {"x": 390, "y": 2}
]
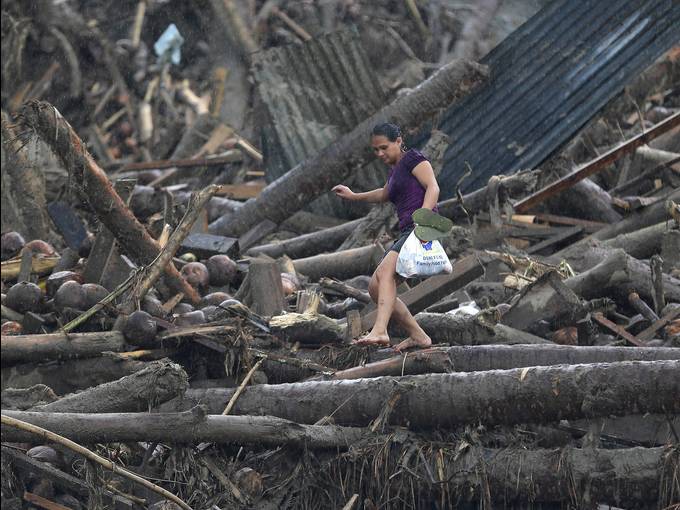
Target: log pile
[{"x": 177, "y": 331}]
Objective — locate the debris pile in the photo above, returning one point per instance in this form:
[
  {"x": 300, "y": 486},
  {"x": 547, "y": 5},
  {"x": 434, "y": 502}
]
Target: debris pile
[{"x": 180, "y": 296}]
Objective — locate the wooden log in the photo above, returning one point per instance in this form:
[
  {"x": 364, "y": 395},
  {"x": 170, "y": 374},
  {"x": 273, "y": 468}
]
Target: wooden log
[
  {"x": 26, "y": 186},
  {"x": 473, "y": 358},
  {"x": 316, "y": 175},
  {"x": 472, "y": 330},
  {"x": 641, "y": 307},
  {"x": 546, "y": 299},
  {"x": 585, "y": 199},
  {"x": 511, "y": 186},
  {"x": 96, "y": 188},
  {"x": 619, "y": 274},
  {"x": 659, "y": 292},
  {"x": 342, "y": 264},
  {"x": 448, "y": 400},
  {"x": 188, "y": 427},
  {"x": 307, "y": 328},
  {"x": 82, "y": 373},
  {"x": 158, "y": 382},
  {"x": 305, "y": 222},
  {"x": 266, "y": 288},
  {"x": 670, "y": 251},
  {"x": 58, "y": 346},
  {"x": 345, "y": 290},
  {"x": 621, "y": 477},
  {"x": 306, "y": 245},
  {"x": 648, "y": 216},
  {"x": 380, "y": 220}
]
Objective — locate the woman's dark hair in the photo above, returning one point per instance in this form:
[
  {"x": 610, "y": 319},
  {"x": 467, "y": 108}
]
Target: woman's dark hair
[{"x": 389, "y": 131}]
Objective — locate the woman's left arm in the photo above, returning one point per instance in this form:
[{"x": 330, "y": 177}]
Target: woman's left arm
[{"x": 425, "y": 175}]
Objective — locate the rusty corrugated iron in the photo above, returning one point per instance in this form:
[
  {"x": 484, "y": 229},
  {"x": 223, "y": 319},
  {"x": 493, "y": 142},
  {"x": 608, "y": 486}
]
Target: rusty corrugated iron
[{"x": 310, "y": 94}]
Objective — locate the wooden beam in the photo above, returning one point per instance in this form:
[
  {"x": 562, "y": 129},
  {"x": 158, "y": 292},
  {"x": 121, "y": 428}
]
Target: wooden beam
[
  {"x": 601, "y": 319},
  {"x": 597, "y": 164}
]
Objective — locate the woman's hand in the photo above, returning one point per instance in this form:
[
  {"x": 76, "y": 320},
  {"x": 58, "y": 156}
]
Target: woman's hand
[{"x": 343, "y": 192}]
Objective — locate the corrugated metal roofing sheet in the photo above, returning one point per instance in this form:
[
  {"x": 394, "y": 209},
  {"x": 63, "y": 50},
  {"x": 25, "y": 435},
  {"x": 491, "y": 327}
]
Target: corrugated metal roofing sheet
[
  {"x": 312, "y": 93},
  {"x": 549, "y": 77}
]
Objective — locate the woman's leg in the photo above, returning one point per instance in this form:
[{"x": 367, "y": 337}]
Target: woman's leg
[
  {"x": 383, "y": 291},
  {"x": 416, "y": 336}
]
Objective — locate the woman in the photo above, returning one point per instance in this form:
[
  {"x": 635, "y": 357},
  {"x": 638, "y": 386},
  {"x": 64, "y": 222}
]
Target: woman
[{"x": 411, "y": 184}]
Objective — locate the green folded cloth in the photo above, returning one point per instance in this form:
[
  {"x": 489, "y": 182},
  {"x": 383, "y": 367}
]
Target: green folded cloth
[{"x": 430, "y": 225}]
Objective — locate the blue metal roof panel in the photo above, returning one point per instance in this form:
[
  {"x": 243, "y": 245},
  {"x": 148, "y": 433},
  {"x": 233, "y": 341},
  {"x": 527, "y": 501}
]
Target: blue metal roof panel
[{"x": 549, "y": 77}]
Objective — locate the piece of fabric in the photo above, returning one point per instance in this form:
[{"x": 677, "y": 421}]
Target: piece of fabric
[{"x": 404, "y": 190}]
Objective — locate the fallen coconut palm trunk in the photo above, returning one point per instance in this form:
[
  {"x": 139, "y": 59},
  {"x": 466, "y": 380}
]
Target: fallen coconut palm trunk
[
  {"x": 159, "y": 382},
  {"x": 641, "y": 244},
  {"x": 316, "y": 175},
  {"x": 53, "y": 129},
  {"x": 449, "y": 400},
  {"x": 619, "y": 274},
  {"x": 82, "y": 373},
  {"x": 472, "y": 330},
  {"x": 56, "y": 346},
  {"x": 342, "y": 264},
  {"x": 502, "y": 357},
  {"x": 649, "y": 216},
  {"x": 188, "y": 427},
  {"x": 458, "y": 473},
  {"x": 503, "y": 187},
  {"x": 306, "y": 245}
]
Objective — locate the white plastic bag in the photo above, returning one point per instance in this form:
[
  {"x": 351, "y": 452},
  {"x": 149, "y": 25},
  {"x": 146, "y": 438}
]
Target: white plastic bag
[{"x": 422, "y": 258}]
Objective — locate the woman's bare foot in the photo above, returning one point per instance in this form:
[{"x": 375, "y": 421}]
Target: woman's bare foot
[
  {"x": 372, "y": 339},
  {"x": 421, "y": 341}
]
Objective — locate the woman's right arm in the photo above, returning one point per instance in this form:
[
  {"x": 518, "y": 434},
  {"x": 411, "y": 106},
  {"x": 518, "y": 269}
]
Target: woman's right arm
[{"x": 376, "y": 195}]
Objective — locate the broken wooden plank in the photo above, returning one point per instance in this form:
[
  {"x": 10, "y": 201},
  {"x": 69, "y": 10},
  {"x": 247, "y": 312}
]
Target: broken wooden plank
[
  {"x": 241, "y": 191},
  {"x": 436, "y": 287},
  {"x": 561, "y": 236},
  {"x": 68, "y": 223},
  {"x": 597, "y": 164},
  {"x": 588, "y": 225}
]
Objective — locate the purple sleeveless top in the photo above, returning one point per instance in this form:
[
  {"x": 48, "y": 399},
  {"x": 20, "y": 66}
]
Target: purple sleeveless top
[{"x": 404, "y": 190}]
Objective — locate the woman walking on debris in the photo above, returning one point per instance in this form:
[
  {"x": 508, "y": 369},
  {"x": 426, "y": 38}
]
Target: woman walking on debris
[{"x": 411, "y": 184}]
